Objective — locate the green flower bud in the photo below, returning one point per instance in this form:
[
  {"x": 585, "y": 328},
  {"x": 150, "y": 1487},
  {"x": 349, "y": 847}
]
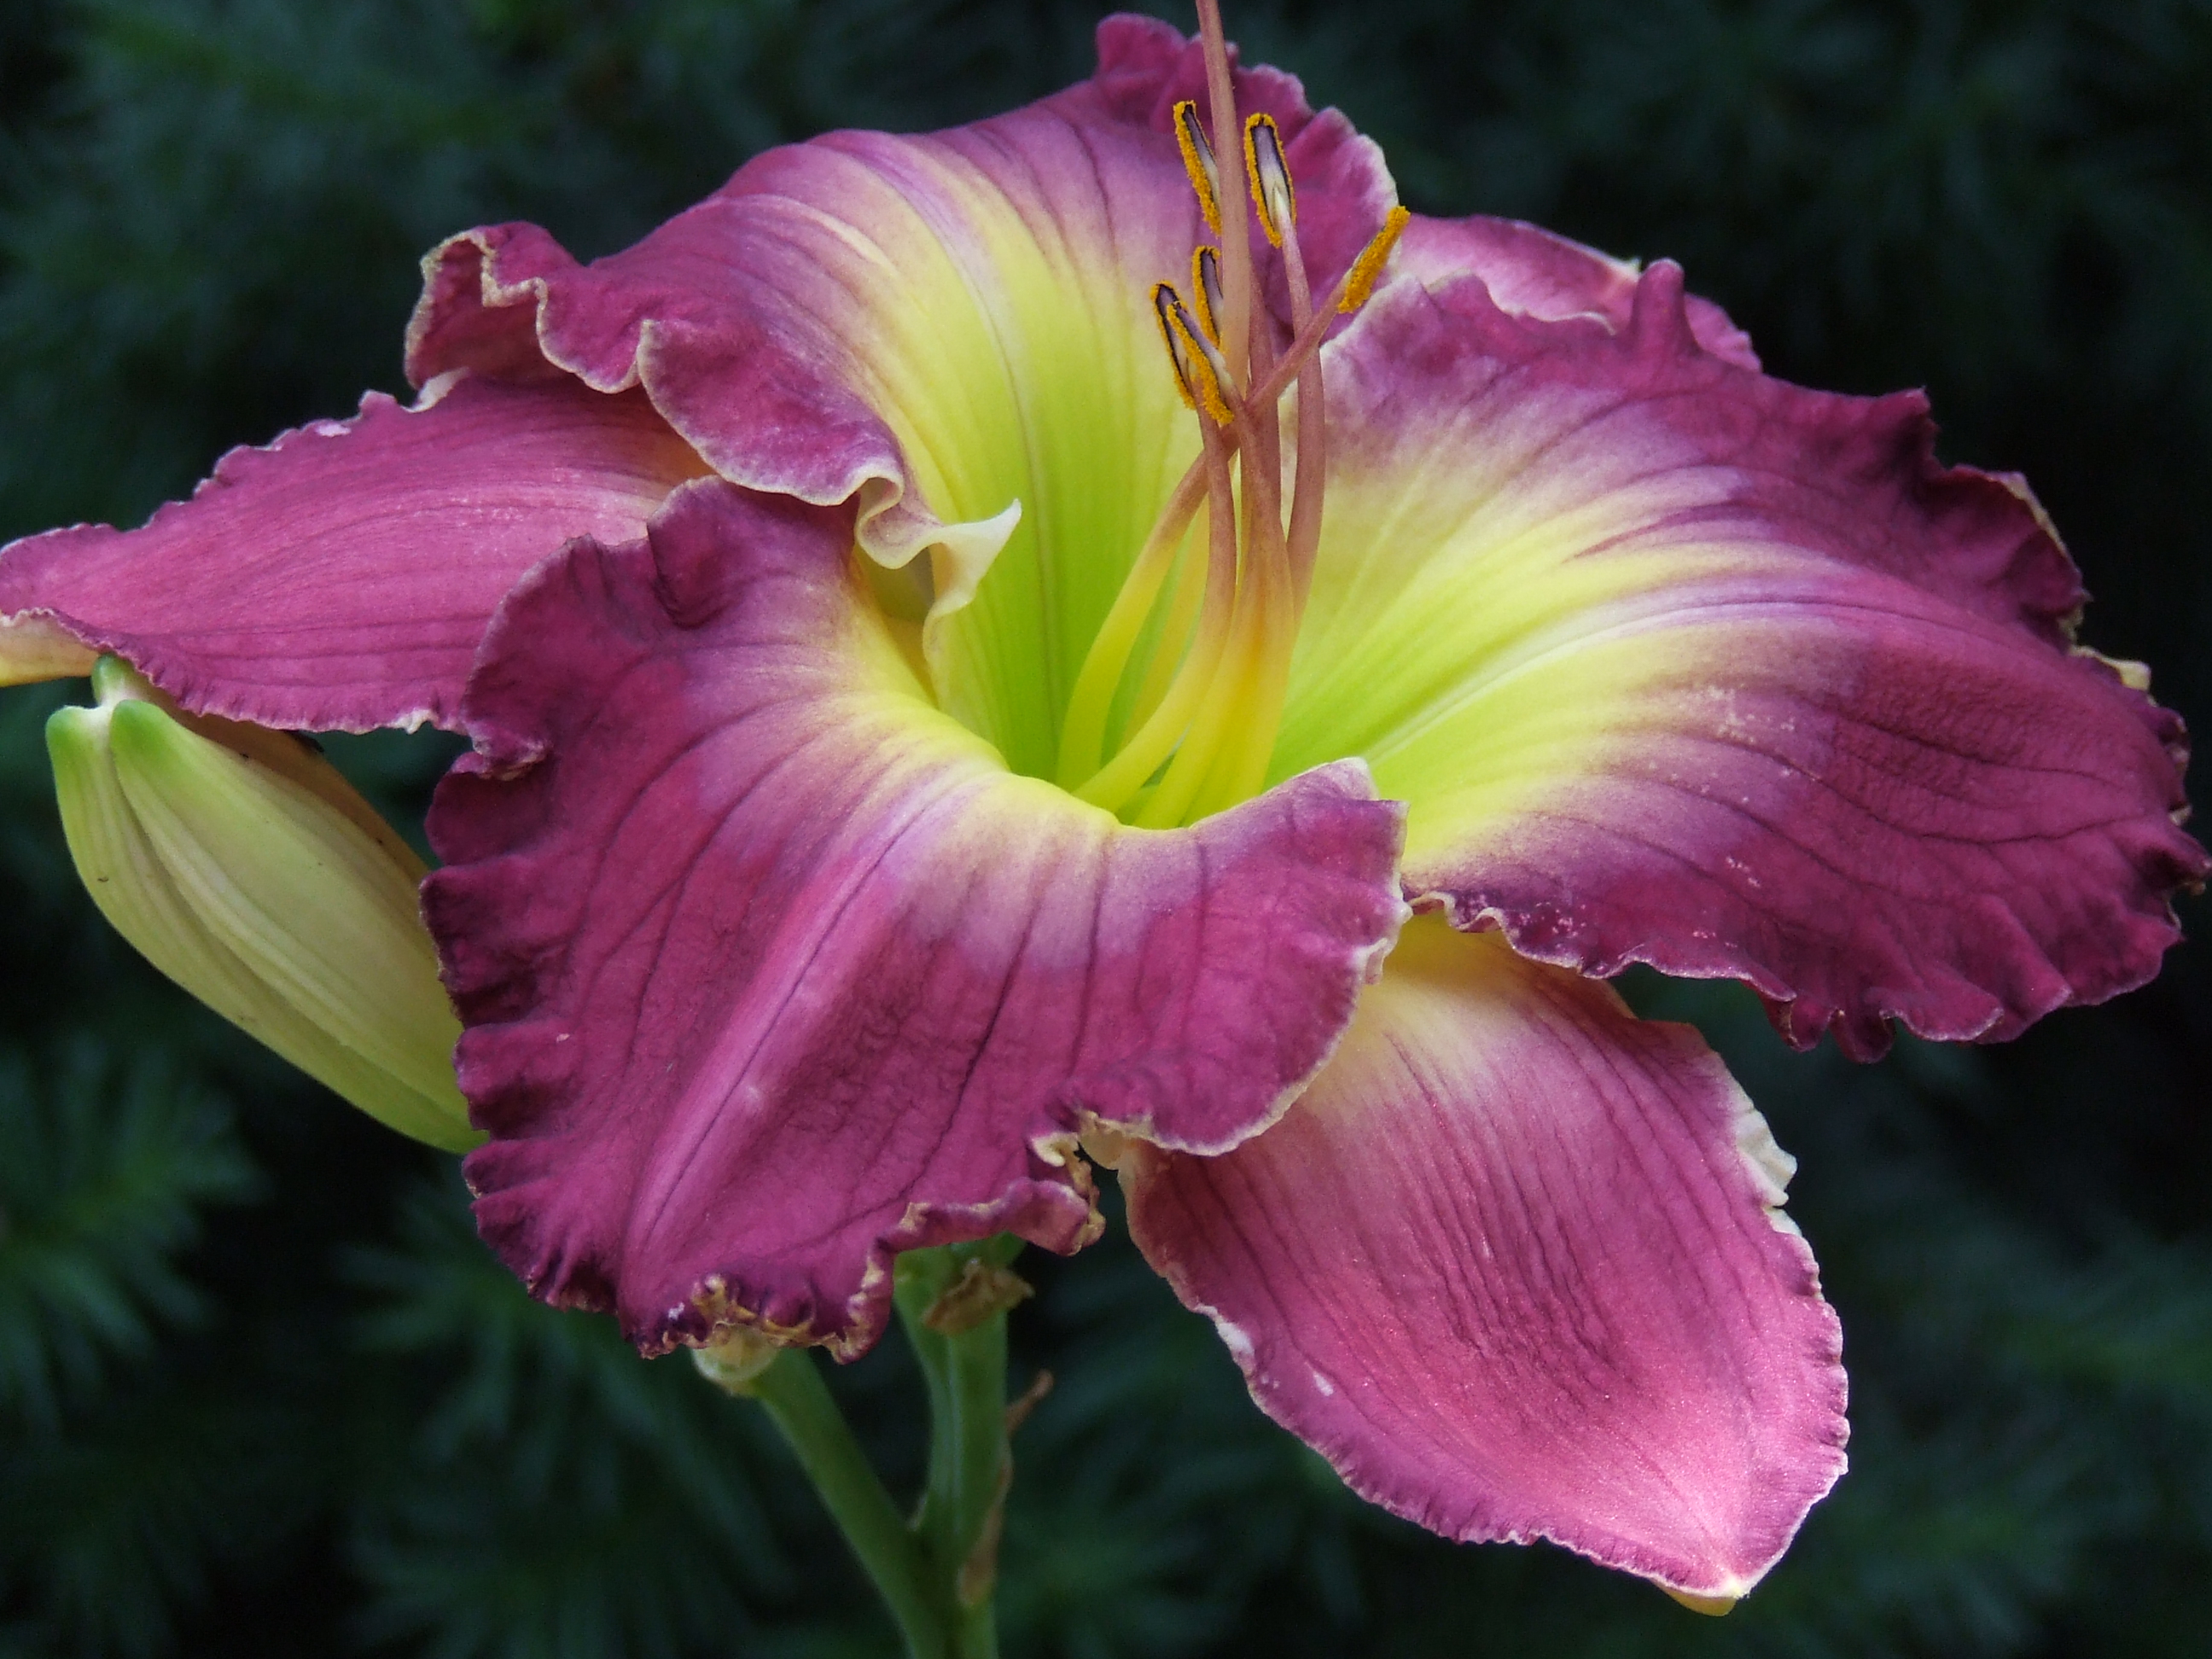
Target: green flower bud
[{"x": 242, "y": 865}]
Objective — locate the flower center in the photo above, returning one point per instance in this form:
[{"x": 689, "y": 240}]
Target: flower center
[{"x": 1202, "y": 715}]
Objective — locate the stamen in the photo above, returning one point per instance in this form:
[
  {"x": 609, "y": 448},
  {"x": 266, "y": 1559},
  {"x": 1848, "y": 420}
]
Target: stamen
[
  {"x": 1255, "y": 687},
  {"x": 1269, "y": 175},
  {"x": 1341, "y": 302},
  {"x": 1082, "y": 734},
  {"x": 1257, "y": 690},
  {"x": 1206, "y": 289},
  {"x": 1199, "y": 368},
  {"x": 1238, "y": 669},
  {"x": 1120, "y": 780},
  {"x": 1173, "y": 641},
  {"x": 1307, "y": 488},
  {"x": 1233, "y": 731},
  {"x": 1178, "y": 358},
  {"x": 1198, "y": 161},
  {"x": 1260, "y": 454},
  {"x": 1359, "y": 280},
  {"x": 1239, "y": 763}
]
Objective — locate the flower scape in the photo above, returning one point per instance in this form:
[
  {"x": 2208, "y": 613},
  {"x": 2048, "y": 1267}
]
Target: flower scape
[{"x": 1097, "y": 639}]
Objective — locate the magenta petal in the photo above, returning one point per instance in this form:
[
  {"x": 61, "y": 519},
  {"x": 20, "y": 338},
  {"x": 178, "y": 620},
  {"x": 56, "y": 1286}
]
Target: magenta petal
[
  {"x": 341, "y": 577},
  {"x": 1512, "y": 1265},
  {"x": 1740, "y": 681},
  {"x": 770, "y": 970},
  {"x": 1536, "y": 272}
]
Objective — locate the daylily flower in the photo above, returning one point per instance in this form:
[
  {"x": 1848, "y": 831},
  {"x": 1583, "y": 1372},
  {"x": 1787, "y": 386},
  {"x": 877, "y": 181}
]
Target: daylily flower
[{"x": 807, "y": 899}]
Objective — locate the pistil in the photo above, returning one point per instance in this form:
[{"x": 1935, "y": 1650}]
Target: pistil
[{"x": 1235, "y": 239}]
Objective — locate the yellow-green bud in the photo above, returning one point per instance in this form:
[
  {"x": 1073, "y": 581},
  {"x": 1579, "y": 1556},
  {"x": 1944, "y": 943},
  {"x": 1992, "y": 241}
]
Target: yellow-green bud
[
  {"x": 1716, "y": 1606},
  {"x": 244, "y": 866},
  {"x": 736, "y": 1355},
  {"x": 33, "y": 649}
]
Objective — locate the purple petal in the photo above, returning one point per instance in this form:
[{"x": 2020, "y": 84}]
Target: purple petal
[
  {"x": 1535, "y": 272},
  {"x": 770, "y": 970},
  {"x": 341, "y": 577},
  {"x": 1513, "y": 1266},
  {"x": 1674, "y": 663}
]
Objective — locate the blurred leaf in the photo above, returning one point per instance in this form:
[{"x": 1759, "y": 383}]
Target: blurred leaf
[
  {"x": 555, "y": 1495},
  {"x": 100, "y": 1191}
]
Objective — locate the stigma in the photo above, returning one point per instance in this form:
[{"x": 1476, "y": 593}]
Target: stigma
[{"x": 1186, "y": 725}]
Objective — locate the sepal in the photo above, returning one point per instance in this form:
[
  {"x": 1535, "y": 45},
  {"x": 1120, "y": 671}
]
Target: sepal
[{"x": 242, "y": 865}]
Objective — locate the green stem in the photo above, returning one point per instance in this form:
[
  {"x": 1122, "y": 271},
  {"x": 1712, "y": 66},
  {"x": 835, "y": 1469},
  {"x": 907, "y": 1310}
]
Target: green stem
[
  {"x": 797, "y": 1398},
  {"x": 964, "y": 1364},
  {"x": 939, "y": 1572},
  {"x": 979, "y": 1469}
]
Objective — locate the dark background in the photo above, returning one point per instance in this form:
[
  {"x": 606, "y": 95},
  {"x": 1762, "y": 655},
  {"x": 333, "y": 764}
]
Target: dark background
[{"x": 261, "y": 1393}]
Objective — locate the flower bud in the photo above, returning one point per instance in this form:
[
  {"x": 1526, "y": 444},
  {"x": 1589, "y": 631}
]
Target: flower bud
[
  {"x": 33, "y": 649},
  {"x": 1717, "y": 1606},
  {"x": 242, "y": 865},
  {"x": 736, "y": 1355}
]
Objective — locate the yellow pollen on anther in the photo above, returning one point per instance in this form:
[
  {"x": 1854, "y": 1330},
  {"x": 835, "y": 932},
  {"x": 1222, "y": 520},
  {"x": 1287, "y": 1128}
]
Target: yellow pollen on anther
[
  {"x": 1206, "y": 289},
  {"x": 1199, "y": 371},
  {"x": 1366, "y": 270},
  {"x": 1198, "y": 161},
  {"x": 1164, "y": 304},
  {"x": 1268, "y": 173}
]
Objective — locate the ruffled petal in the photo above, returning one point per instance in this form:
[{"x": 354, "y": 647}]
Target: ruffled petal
[
  {"x": 341, "y": 577},
  {"x": 1677, "y": 664},
  {"x": 1534, "y": 272},
  {"x": 770, "y": 970},
  {"x": 954, "y": 329},
  {"x": 1513, "y": 1265}
]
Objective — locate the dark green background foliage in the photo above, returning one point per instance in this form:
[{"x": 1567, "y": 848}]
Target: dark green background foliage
[{"x": 261, "y": 1393}]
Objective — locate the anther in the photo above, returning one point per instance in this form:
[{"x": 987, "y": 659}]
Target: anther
[
  {"x": 1198, "y": 161},
  {"x": 1269, "y": 175},
  {"x": 1199, "y": 370},
  {"x": 1206, "y": 289},
  {"x": 1359, "y": 281},
  {"x": 1179, "y": 356}
]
